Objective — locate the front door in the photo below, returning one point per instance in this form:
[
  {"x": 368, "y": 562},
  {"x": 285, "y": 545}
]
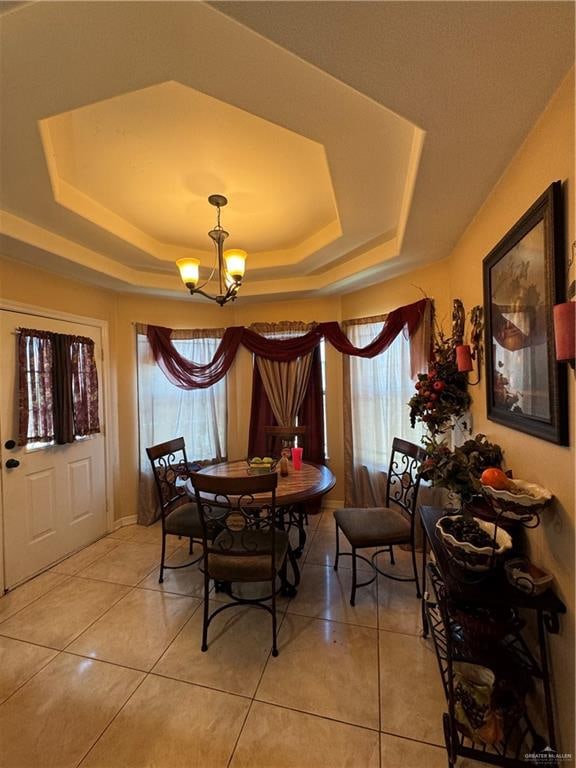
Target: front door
[{"x": 54, "y": 497}]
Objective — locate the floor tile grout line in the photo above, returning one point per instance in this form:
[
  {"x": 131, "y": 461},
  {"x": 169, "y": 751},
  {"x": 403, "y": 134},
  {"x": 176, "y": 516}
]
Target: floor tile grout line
[
  {"x": 413, "y": 740},
  {"x": 85, "y": 755},
  {"x": 253, "y": 698},
  {"x": 98, "y": 557},
  {"x": 65, "y": 579},
  {"x": 121, "y": 597},
  {"x": 316, "y": 714},
  {"x": 5, "y": 701}
]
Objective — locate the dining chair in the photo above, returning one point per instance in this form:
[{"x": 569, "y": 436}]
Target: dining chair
[
  {"x": 283, "y": 437},
  {"x": 385, "y": 527},
  {"x": 241, "y": 541},
  {"x": 278, "y": 438},
  {"x": 179, "y": 515}
]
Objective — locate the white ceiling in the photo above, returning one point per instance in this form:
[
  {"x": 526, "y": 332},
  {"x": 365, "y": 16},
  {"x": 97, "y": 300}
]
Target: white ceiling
[{"x": 354, "y": 140}]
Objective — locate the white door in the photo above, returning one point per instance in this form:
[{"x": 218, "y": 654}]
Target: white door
[{"x": 54, "y": 497}]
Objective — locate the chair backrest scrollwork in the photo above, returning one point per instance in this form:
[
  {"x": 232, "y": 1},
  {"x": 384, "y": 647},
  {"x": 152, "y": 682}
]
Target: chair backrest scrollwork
[{"x": 404, "y": 475}]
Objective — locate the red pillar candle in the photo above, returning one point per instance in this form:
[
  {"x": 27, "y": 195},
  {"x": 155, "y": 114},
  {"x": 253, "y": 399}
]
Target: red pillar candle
[
  {"x": 564, "y": 330},
  {"x": 464, "y": 358}
]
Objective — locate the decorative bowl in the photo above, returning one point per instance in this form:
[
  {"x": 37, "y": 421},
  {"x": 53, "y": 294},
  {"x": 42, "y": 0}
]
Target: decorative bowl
[
  {"x": 521, "y": 506},
  {"x": 525, "y": 576},
  {"x": 468, "y": 555},
  {"x": 261, "y": 467}
]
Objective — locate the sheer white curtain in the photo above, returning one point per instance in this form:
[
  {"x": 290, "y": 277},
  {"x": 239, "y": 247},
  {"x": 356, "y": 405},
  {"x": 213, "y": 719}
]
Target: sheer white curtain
[
  {"x": 165, "y": 411},
  {"x": 377, "y": 391}
]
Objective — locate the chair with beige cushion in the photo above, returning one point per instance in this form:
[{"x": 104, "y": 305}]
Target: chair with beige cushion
[
  {"x": 179, "y": 516},
  {"x": 385, "y": 527},
  {"x": 241, "y": 541}
]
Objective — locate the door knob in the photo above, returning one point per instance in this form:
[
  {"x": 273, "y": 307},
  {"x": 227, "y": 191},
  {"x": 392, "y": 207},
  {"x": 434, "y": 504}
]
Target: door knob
[{"x": 12, "y": 463}]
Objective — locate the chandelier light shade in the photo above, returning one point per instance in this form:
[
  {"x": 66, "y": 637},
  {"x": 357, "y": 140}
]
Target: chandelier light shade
[{"x": 231, "y": 264}]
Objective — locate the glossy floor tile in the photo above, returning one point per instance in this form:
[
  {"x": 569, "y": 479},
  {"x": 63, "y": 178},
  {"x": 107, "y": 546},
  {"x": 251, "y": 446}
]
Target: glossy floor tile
[
  {"x": 325, "y": 594},
  {"x": 410, "y": 754},
  {"x": 181, "y": 581},
  {"x": 398, "y": 607},
  {"x": 56, "y": 717},
  {"x": 58, "y": 617},
  {"x": 411, "y": 695},
  {"x": 19, "y": 662},
  {"x": 322, "y": 550},
  {"x": 101, "y": 667},
  {"x": 127, "y": 563},
  {"x": 143, "y": 534},
  {"x": 325, "y": 668},
  {"x": 171, "y": 724},
  {"x": 118, "y": 637},
  {"x": 274, "y": 736},
  {"x": 239, "y": 644},
  {"x": 85, "y": 557},
  {"x": 19, "y": 598}
]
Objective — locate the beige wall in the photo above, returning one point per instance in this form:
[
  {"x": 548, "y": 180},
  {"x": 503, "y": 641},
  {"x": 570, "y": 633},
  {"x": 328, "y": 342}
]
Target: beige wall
[{"x": 547, "y": 155}]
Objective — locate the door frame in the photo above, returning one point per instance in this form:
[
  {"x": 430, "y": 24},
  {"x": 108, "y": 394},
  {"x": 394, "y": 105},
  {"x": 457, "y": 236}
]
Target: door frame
[{"x": 110, "y": 432}]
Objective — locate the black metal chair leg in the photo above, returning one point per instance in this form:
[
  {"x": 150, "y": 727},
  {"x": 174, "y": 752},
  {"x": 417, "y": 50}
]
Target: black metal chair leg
[
  {"x": 392, "y": 560},
  {"x": 204, "y": 646},
  {"x": 162, "y": 556},
  {"x": 415, "y": 568},
  {"x": 353, "y": 595},
  {"x": 274, "y": 646},
  {"x": 337, "y": 548}
]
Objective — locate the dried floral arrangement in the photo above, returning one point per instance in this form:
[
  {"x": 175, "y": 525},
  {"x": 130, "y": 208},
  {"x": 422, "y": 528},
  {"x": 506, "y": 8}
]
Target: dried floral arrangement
[{"x": 442, "y": 393}]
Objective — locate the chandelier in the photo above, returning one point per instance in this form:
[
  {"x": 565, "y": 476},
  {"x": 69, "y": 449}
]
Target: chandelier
[{"x": 230, "y": 263}]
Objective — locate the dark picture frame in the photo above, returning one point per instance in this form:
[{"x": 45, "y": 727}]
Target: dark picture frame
[{"x": 523, "y": 278}]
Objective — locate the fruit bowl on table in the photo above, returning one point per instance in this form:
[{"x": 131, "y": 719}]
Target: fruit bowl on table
[
  {"x": 258, "y": 466},
  {"x": 520, "y": 502},
  {"x": 473, "y": 544}
]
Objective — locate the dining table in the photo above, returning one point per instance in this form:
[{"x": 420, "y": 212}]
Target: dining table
[{"x": 298, "y": 487}]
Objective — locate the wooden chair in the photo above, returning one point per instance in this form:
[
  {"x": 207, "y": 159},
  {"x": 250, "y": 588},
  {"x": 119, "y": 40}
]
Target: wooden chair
[
  {"x": 179, "y": 516},
  {"x": 384, "y": 527},
  {"x": 284, "y": 437},
  {"x": 241, "y": 541}
]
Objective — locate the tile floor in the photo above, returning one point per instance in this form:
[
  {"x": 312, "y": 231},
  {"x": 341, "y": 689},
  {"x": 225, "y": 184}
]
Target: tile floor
[{"x": 100, "y": 667}]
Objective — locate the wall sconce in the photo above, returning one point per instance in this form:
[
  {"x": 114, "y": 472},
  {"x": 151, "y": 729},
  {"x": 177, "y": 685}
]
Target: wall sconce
[
  {"x": 565, "y": 322},
  {"x": 466, "y": 354}
]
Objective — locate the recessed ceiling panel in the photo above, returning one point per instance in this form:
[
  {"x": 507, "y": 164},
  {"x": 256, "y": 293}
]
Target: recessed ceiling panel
[{"x": 152, "y": 157}]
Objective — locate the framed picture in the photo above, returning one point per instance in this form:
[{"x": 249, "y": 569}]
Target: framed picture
[{"x": 523, "y": 279}]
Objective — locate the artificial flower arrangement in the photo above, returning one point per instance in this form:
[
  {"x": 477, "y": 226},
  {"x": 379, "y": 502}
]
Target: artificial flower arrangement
[
  {"x": 442, "y": 393},
  {"x": 459, "y": 470}
]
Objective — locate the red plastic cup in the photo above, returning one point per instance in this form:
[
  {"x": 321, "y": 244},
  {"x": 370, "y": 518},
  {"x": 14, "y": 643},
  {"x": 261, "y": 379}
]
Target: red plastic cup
[{"x": 297, "y": 457}]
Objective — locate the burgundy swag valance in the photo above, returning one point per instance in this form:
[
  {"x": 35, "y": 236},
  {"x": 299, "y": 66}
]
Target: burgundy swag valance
[{"x": 189, "y": 375}]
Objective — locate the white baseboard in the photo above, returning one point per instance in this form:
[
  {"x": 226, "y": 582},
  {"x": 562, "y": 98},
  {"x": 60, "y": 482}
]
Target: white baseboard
[{"x": 122, "y": 521}]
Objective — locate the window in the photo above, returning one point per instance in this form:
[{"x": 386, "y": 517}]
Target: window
[
  {"x": 380, "y": 388},
  {"x": 166, "y": 411},
  {"x": 58, "y": 388}
]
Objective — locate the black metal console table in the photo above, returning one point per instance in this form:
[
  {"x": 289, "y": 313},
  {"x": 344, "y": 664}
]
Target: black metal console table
[{"x": 478, "y": 619}]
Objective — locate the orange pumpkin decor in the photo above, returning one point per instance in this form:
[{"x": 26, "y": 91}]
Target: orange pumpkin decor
[{"x": 496, "y": 479}]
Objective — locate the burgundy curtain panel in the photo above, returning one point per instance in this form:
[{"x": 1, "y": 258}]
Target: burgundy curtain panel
[{"x": 261, "y": 415}]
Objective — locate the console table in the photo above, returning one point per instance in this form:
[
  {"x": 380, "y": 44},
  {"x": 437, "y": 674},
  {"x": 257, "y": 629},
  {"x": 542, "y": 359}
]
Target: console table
[{"x": 476, "y": 618}]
